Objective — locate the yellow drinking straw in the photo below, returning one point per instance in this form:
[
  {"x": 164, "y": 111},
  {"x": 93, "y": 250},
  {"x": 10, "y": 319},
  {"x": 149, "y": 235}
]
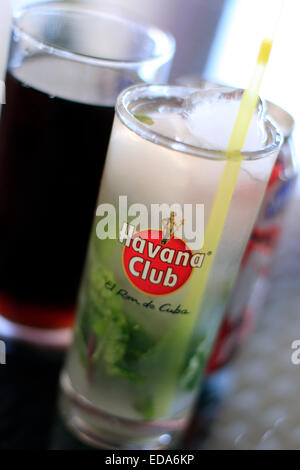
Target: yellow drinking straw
[
  {"x": 229, "y": 177},
  {"x": 234, "y": 160},
  {"x": 230, "y": 174},
  {"x": 195, "y": 295}
]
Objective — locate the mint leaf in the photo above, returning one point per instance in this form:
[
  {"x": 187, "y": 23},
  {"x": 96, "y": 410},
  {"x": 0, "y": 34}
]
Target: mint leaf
[
  {"x": 139, "y": 343},
  {"x": 146, "y": 407},
  {"x": 144, "y": 119}
]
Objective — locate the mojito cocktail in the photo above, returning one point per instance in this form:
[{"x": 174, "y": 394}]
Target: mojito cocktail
[{"x": 142, "y": 336}]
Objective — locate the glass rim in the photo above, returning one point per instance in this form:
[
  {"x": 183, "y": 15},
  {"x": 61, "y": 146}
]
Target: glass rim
[
  {"x": 144, "y": 131},
  {"x": 66, "y": 7}
]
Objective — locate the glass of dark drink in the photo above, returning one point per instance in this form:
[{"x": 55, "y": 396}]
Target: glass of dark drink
[{"x": 66, "y": 67}]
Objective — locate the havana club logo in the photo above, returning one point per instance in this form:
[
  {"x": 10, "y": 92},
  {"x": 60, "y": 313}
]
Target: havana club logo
[{"x": 155, "y": 261}]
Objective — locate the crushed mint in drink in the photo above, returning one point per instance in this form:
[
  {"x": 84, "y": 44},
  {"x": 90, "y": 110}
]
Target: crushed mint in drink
[{"x": 118, "y": 343}]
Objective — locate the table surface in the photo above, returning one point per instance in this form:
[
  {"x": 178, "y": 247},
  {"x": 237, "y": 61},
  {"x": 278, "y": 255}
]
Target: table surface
[
  {"x": 261, "y": 409},
  {"x": 252, "y": 404}
]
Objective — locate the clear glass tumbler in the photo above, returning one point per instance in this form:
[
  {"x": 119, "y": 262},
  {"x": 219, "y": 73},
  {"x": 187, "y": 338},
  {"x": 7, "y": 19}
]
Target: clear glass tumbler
[
  {"x": 67, "y": 66},
  {"x": 140, "y": 348}
]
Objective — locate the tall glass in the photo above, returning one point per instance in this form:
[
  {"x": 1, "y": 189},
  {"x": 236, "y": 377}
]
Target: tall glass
[
  {"x": 139, "y": 348},
  {"x": 66, "y": 68}
]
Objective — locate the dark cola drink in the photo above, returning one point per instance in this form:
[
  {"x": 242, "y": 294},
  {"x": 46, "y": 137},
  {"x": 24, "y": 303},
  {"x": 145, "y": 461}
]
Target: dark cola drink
[
  {"x": 66, "y": 67},
  {"x": 52, "y": 152}
]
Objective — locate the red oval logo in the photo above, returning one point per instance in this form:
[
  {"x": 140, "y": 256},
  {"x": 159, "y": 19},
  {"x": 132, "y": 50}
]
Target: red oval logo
[{"x": 156, "y": 266}]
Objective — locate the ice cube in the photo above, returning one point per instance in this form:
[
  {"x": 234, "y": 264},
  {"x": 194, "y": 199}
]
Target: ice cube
[{"x": 211, "y": 114}]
